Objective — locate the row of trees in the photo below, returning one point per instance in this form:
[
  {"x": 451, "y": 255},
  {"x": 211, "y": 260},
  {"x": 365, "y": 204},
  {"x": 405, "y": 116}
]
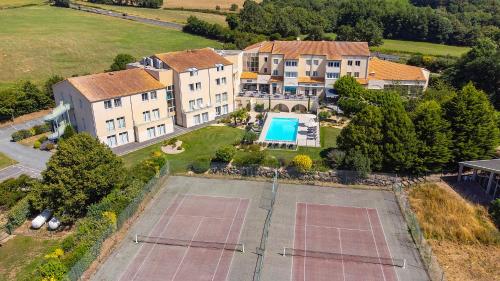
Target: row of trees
[
  {"x": 25, "y": 97},
  {"x": 369, "y": 20},
  {"x": 417, "y": 135},
  {"x": 155, "y": 4}
]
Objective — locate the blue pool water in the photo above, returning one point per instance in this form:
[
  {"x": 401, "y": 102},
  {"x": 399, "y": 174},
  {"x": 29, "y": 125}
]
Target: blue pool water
[{"x": 283, "y": 129}]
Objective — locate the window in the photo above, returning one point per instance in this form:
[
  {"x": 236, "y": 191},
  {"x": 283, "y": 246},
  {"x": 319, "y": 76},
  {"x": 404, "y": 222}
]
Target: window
[
  {"x": 121, "y": 122},
  {"x": 196, "y": 119},
  {"x": 170, "y": 99},
  {"x": 315, "y": 73},
  {"x": 349, "y": 62},
  {"x": 147, "y": 116},
  {"x": 224, "y": 81},
  {"x": 308, "y": 62},
  {"x": 356, "y": 74},
  {"x": 198, "y": 86},
  {"x": 217, "y": 111},
  {"x": 316, "y": 62},
  {"x": 253, "y": 63},
  {"x": 275, "y": 72},
  {"x": 308, "y": 73},
  {"x": 217, "y": 98},
  {"x": 191, "y": 104},
  {"x": 333, "y": 64},
  {"x": 156, "y": 114},
  {"x": 193, "y": 72},
  {"x": 348, "y": 73},
  {"x": 107, "y": 104},
  {"x": 118, "y": 102},
  {"x": 291, "y": 63},
  {"x": 265, "y": 59},
  {"x": 191, "y": 87},
  {"x": 219, "y": 67},
  {"x": 80, "y": 102},
  {"x": 112, "y": 141},
  {"x": 332, "y": 75},
  {"x": 358, "y": 63},
  {"x": 224, "y": 96},
  {"x": 161, "y": 129},
  {"x": 123, "y": 137},
  {"x": 265, "y": 69},
  {"x": 110, "y": 125},
  {"x": 291, "y": 74},
  {"x": 199, "y": 102},
  {"x": 276, "y": 61},
  {"x": 153, "y": 95},
  {"x": 217, "y": 81},
  {"x": 225, "y": 109},
  {"x": 145, "y": 97},
  {"x": 205, "y": 117},
  {"x": 151, "y": 132}
]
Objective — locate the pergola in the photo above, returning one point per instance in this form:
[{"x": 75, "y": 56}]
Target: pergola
[{"x": 489, "y": 167}]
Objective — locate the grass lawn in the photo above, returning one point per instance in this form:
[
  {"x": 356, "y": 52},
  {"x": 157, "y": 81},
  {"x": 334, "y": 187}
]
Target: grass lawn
[
  {"x": 40, "y": 41},
  {"x": 205, "y": 4},
  {"x": 5, "y": 161},
  {"x": 160, "y": 14},
  {"x": 204, "y": 143},
  {"x": 21, "y": 255},
  {"x": 6, "y": 4},
  {"x": 420, "y": 47}
]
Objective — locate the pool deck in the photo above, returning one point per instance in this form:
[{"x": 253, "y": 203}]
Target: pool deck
[{"x": 301, "y": 131}]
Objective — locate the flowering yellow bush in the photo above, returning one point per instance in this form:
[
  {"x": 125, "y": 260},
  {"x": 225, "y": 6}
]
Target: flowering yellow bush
[
  {"x": 111, "y": 216},
  {"x": 302, "y": 162},
  {"x": 56, "y": 254}
]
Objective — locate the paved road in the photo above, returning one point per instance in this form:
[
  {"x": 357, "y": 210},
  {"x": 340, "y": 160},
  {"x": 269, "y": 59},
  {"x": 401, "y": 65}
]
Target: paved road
[
  {"x": 30, "y": 161},
  {"x": 166, "y": 24}
]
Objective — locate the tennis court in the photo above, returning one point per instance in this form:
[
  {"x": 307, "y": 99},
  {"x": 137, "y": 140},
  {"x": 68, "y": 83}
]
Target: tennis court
[
  {"x": 189, "y": 240},
  {"x": 340, "y": 243}
]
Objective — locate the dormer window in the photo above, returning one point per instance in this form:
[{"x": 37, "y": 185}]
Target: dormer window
[
  {"x": 219, "y": 67},
  {"x": 193, "y": 71}
]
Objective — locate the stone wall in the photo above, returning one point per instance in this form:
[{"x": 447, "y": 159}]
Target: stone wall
[{"x": 332, "y": 176}]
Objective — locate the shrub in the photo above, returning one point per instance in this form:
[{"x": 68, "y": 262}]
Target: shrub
[
  {"x": 323, "y": 115},
  {"x": 355, "y": 160},
  {"x": 22, "y": 134},
  {"x": 217, "y": 8},
  {"x": 494, "y": 211},
  {"x": 335, "y": 158},
  {"x": 171, "y": 141},
  {"x": 49, "y": 146},
  {"x": 13, "y": 190},
  {"x": 259, "y": 107},
  {"x": 234, "y": 7},
  {"x": 302, "y": 162},
  {"x": 271, "y": 161},
  {"x": 40, "y": 129},
  {"x": 53, "y": 269},
  {"x": 42, "y": 139},
  {"x": 200, "y": 165},
  {"x": 37, "y": 144},
  {"x": 253, "y": 147},
  {"x": 249, "y": 137},
  {"x": 69, "y": 131},
  {"x": 120, "y": 62},
  {"x": 225, "y": 153},
  {"x": 250, "y": 158},
  {"x": 18, "y": 213},
  {"x": 259, "y": 116}
]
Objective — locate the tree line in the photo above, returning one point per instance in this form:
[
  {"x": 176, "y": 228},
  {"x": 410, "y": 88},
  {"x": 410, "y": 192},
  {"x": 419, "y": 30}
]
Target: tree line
[
  {"x": 370, "y": 20},
  {"x": 155, "y": 4},
  {"x": 392, "y": 133}
]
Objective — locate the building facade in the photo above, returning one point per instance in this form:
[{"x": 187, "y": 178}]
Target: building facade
[{"x": 192, "y": 87}]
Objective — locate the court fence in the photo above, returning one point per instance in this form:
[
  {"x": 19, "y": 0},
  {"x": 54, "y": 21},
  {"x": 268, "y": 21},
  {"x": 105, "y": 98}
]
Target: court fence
[
  {"x": 267, "y": 224},
  {"x": 431, "y": 264},
  {"x": 148, "y": 190}
]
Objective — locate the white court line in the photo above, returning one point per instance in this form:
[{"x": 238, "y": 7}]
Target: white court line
[
  {"x": 342, "y": 206},
  {"x": 239, "y": 235},
  {"x": 164, "y": 228},
  {"x": 227, "y": 237},
  {"x": 214, "y": 196},
  {"x": 343, "y": 269},
  {"x": 385, "y": 239},
  {"x": 341, "y": 228},
  {"x": 294, "y": 228},
  {"x": 305, "y": 243},
  {"x": 187, "y": 250},
  {"x": 376, "y": 247}
]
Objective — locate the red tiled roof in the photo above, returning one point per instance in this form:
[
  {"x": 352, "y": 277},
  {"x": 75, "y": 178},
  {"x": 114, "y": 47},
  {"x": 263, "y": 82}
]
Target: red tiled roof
[{"x": 200, "y": 59}]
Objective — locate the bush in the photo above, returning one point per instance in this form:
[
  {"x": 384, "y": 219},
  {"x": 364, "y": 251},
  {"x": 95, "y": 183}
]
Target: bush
[
  {"x": 259, "y": 107},
  {"x": 37, "y": 144},
  {"x": 323, "y": 115},
  {"x": 302, "y": 162},
  {"x": 42, "y": 139},
  {"x": 13, "y": 190},
  {"x": 22, "y": 134},
  {"x": 249, "y": 137},
  {"x": 40, "y": 129},
  {"x": 250, "y": 158},
  {"x": 494, "y": 211},
  {"x": 18, "y": 213},
  {"x": 48, "y": 146},
  {"x": 120, "y": 62},
  {"x": 171, "y": 141},
  {"x": 355, "y": 160},
  {"x": 53, "y": 269},
  {"x": 234, "y": 7},
  {"x": 200, "y": 165},
  {"x": 335, "y": 158},
  {"x": 69, "y": 131},
  {"x": 225, "y": 153}
]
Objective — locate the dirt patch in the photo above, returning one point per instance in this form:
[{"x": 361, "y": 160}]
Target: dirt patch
[
  {"x": 468, "y": 262},
  {"x": 173, "y": 149},
  {"x": 29, "y": 142},
  {"x": 25, "y": 118}
]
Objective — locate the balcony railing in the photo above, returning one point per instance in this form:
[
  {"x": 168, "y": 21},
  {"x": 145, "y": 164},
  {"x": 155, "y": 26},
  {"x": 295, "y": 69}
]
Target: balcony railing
[
  {"x": 278, "y": 96},
  {"x": 198, "y": 107}
]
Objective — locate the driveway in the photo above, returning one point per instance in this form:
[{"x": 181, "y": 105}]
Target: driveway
[{"x": 30, "y": 161}]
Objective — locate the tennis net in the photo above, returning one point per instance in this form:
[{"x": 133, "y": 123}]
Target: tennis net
[
  {"x": 189, "y": 243},
  {"x": 344, "y": 257}
]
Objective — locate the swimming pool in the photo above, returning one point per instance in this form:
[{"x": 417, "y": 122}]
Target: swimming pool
[{"x": 282, "y": 129}]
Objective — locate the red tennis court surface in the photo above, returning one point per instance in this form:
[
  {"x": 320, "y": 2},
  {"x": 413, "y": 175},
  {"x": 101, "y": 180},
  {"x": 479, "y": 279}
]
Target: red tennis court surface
[
  {"x": 344, "y": 230},
  {"x": 195, "y": 218}
]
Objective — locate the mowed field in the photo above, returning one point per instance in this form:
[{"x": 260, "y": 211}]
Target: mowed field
[
  {"x": 39, "y": 41},
  {"x": 424, "y": 48},
  {"x": 203, "y": 4},
  {"x": 160, "y": 14}
]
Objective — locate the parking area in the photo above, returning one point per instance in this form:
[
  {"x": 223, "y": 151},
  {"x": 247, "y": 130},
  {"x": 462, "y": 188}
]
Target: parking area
[{"x": 195, "y": 229}]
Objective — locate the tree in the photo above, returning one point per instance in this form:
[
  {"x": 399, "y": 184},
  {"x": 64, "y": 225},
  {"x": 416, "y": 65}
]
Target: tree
[
  {"x": 225, "y": 153},
  {"x": 49, "y": 83},
  {"x": 120, "y": 62},
  {"x": 234, "y": 7},
  {"x": 481, "y": 66},
  {"x": 62, "y": 3},
  {"x": 364, "y": 133},
  {"x": 233, "y": 21},
  {"x": 347, "y": 86},
  {"x": 433, "y": 135},
  {"x": 364, "y": 30},
  {"x": 473, "y": 125},
  {"x": 79, "y": 173},
  {"x": 316, "y": 34},
  {"x": 69, "y": 131}
]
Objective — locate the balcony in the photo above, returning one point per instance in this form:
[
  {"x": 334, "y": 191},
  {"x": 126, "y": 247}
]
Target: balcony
[
  {"x": 277, "y": 96},
  {"x": 197, "y": 108}
]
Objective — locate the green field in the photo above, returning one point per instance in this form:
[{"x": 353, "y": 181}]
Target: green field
[
  {"x": 7, "y": 4},
  {"x": 5, "y": 161},
  {"x": 21, "y": 255},
  {"x": 400, "y": 46},
  {"x": 204, "y": 142},
  {"x": 160, "y": 14},
  {"x": 40, "y": 41}
]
